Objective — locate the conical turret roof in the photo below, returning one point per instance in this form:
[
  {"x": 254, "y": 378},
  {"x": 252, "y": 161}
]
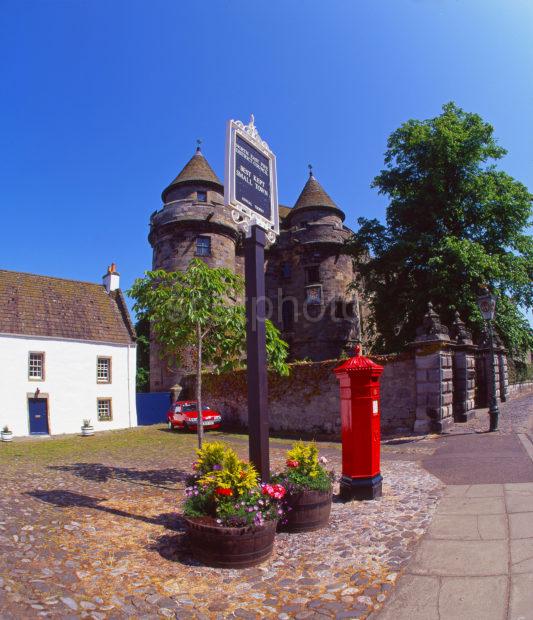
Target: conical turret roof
[
  {"x": 196, "y": 170},
  {"x": 313, "y": 195}
]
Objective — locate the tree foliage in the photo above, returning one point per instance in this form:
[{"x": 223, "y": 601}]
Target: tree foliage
[
  {"x": 454, "y": 223},
  {"x": 195, "y": 312},
  {"x": 142, "y": 329}
]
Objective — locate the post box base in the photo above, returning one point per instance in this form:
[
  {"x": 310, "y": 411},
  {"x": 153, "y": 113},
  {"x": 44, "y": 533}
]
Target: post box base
[{"x": 360, "y": 488}]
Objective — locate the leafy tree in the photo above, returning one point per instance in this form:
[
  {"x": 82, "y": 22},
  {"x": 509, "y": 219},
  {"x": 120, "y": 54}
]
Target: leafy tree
[
  {"x": 195, "y": 311},
  {"x": 454, "y": 223},
  {"x": 142, "y": 328}
]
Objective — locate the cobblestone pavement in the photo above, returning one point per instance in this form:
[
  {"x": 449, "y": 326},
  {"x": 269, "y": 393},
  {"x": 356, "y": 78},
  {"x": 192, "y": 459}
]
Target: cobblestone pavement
[{"x": 90, "y": 528}]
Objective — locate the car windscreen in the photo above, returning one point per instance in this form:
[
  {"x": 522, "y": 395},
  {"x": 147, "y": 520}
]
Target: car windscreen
[{"x": 192, "y": 407}]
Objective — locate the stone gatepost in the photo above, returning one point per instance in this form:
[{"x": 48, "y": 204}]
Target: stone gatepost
[
  {"x": 503, "y": 371},
  {"x": 434, "y": 376},
  {"x": 464, "y": 371},
  {"x": 485, "y": 371}
]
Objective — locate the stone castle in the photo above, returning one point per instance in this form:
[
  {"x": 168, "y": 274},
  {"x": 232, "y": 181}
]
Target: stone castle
[{"x": 307, "y": 273}]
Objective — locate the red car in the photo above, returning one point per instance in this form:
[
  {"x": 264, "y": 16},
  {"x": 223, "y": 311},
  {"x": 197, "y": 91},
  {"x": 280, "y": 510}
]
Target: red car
[{"x": 184, "y": 415}]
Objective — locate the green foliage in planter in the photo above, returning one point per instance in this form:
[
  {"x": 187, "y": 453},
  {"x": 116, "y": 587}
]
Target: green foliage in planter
[
  {"x": 227, "y": 489},
  {"x": 304, "y": 469}
]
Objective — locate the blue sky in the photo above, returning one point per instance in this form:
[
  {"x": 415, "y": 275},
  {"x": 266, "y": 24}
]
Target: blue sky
[{"x": 103, "y": 101}]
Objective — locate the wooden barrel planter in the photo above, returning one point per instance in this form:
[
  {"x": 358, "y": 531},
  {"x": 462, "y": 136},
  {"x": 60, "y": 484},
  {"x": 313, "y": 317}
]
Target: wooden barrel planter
[
  {"x": 310, "y": 511},
  {"x": 230, "y": 547}
]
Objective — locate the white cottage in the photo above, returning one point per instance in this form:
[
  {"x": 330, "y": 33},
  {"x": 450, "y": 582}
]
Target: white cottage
[{"x": 67, "y": 353}]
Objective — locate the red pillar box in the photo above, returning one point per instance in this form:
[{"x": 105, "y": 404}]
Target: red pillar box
[{"x": 360, "y": 420}]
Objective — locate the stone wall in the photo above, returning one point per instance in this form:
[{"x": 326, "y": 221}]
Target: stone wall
[{"x": 307, "y": 402}]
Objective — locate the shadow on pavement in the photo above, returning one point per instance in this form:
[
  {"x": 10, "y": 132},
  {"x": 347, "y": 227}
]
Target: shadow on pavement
[
  {"x": 173, "y": 547},
  {"x": 71, "y": 499},
  {"x": 97, "y": 472}
]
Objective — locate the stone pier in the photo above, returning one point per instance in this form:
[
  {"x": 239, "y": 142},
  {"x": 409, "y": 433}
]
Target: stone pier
[
  {"x": 464, "y": 371},
  {"x": 434, "y": 376}
]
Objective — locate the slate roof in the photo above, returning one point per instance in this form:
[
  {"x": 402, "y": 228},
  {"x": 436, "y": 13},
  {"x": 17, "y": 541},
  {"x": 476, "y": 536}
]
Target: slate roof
[
  {"x": 197, "y": 169},
  {"x": 284, "y": 211},
  {"x": 314, "y": 195},
  {"x": 33, "y": 305}
]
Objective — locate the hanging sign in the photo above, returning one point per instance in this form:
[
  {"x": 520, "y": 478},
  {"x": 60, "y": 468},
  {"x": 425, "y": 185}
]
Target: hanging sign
[{"x": 250, "y": 187}]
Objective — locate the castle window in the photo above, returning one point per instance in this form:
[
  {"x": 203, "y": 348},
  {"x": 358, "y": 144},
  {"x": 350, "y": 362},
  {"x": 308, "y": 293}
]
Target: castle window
[
  {"x": 312, "y": 274},
  {"x": 285, "y": 270},
  {"x": 313, "y": 294},
  {"x": 201, "y": 196},
  {"x": 287, "y": 315},
  {"x": 203, "y": 246}
]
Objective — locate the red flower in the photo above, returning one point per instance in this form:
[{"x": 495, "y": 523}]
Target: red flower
[
  {"x": 223, "y": 491},
  {"x": 292, "y": 463}
]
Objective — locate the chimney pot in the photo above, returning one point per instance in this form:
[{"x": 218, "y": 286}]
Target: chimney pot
[{"x": 112, "y": 278}]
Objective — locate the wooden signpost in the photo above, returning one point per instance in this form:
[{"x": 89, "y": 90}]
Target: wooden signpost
[{"x": 250, "y": 190}]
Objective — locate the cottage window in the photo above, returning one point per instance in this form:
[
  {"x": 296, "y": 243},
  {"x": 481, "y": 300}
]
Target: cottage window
[
  {"x": 36, "y": 367},
  {"x": 203, "y": 246},
  {"x": 201, "y": 196},
  {"x": 104, "y": 411},
  {"x": 103, "y": 370}
]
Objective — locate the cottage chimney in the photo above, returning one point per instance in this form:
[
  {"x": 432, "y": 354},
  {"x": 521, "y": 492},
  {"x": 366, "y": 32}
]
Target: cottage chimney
[{"x": 112, "y": 278}]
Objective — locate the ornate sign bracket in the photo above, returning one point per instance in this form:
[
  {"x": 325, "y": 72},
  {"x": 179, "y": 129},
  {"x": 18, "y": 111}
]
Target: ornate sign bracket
[{"x": 250, "y": 188}]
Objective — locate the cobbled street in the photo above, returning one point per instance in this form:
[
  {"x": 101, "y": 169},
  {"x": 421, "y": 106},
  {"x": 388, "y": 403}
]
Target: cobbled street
[{"x": 91, "y": 528}]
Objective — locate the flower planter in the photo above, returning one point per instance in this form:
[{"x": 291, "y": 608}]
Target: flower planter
[
  {"x": 307, "y": 510},
  {"x": 230, "y": 547},
  {"x": 7, "y": 436},
  {"x": 87, "y": 431}
]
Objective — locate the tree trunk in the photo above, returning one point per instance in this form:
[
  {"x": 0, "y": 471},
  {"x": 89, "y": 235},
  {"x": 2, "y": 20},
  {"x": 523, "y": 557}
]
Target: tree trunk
[{"x": 200, "y": 420}]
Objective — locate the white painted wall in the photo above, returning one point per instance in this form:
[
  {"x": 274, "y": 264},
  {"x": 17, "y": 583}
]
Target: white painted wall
[{"x": 70, "y": 382}]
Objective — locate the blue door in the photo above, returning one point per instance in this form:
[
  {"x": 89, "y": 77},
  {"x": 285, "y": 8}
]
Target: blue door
[{"x": 38, "y": 416}]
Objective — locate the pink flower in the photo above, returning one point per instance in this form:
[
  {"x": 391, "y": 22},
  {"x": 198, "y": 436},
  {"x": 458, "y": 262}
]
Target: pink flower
[{"x": 292, "y": 463}]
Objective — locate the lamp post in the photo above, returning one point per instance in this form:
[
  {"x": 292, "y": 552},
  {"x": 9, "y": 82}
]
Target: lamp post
[{"x": 487, "y": 306}]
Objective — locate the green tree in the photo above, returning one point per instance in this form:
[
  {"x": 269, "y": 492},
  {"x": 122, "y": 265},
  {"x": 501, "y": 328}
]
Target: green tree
[
  {"x": 195, "y": 311},
  {"x": 454, "y": 223},
  {"x": 142, "y": 328}
]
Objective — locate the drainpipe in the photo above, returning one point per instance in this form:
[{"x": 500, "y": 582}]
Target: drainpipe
[{"x": 129, "y": 390}]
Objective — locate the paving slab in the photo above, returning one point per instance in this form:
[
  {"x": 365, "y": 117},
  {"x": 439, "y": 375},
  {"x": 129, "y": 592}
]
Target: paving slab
[
  {"x": 521, "y": 487},
  {"x": 485, "y": 490},
  {"x": 522, "y": 556},
  {"x": 475, "y": 598},
  {"x": 471, "y": 506},
  {"x": 458, "y": 527},
  {"x": 521, "y": 601},
  {"x": 456, "y": 490},
  {"x": 417, "y": 599},
  {"x": 519, "y": 501},
  {"x": 492, "y": 527},
  {"x": 521, "y": 525},
  {"x": 465, "y": 557}
]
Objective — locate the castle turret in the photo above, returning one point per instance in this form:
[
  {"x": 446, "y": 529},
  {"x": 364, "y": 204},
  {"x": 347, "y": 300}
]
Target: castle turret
[
  {"x": 193, "y": 222},
  {"x": 308, "y": 276}
]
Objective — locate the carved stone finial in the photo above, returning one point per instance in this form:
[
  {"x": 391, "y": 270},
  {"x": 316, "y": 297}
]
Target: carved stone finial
[
  {"x": 432, "y": 328},
  {"x": 357, "y": 351},
  {"x": 198, "y": 145},
  {"x": 310, "y": 166},
  {"x": 459, "y": 333}
]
